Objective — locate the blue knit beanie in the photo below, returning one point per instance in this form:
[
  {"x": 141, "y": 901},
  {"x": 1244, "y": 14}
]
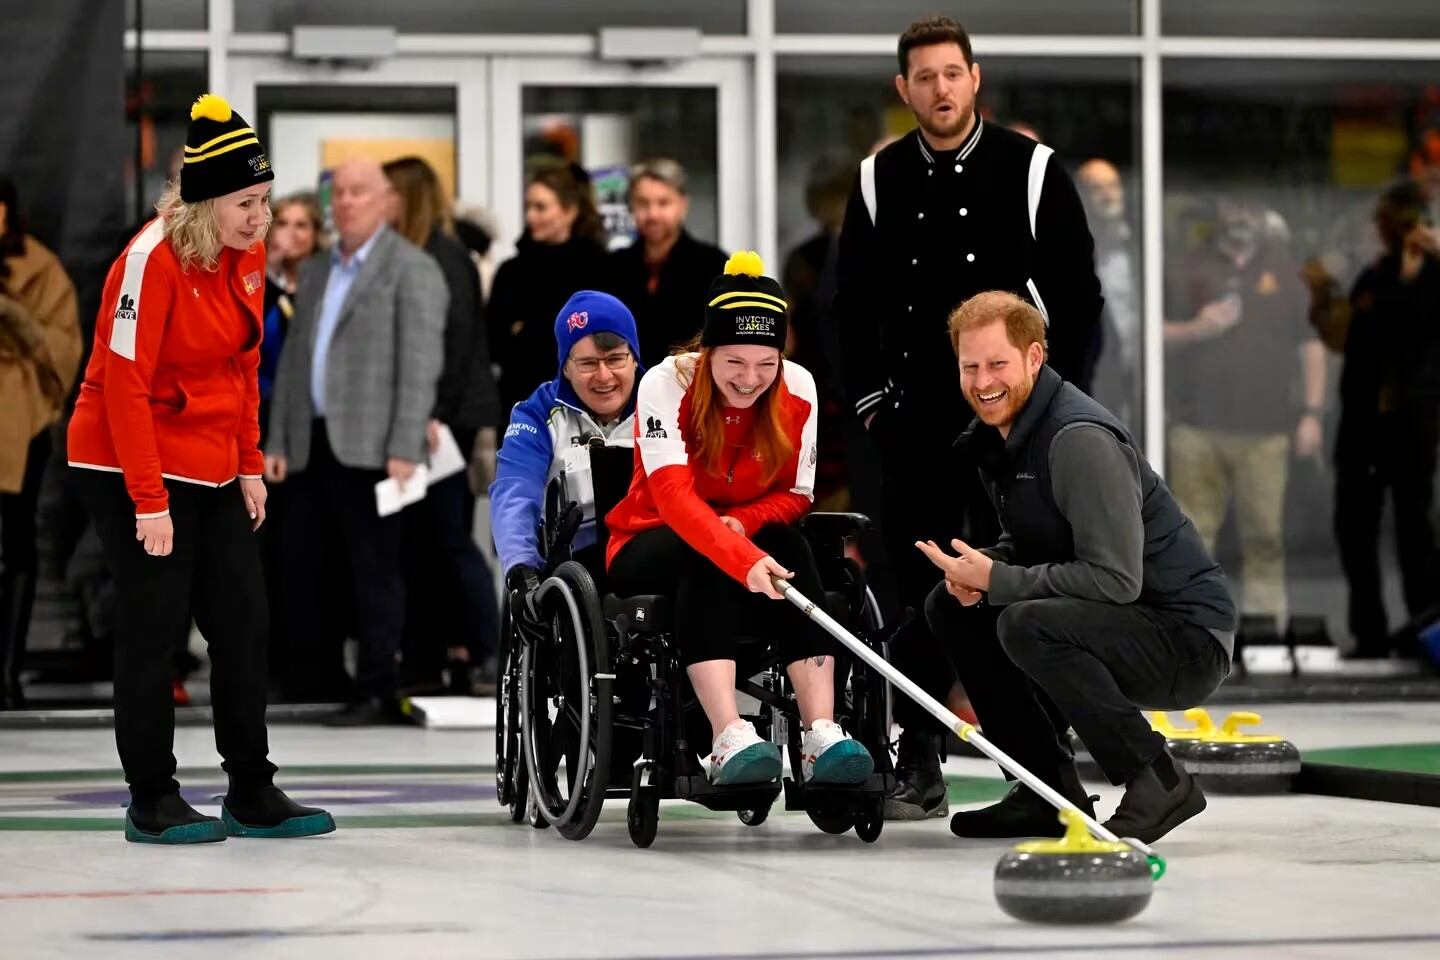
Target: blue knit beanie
[{"x": 590, "y": 311}]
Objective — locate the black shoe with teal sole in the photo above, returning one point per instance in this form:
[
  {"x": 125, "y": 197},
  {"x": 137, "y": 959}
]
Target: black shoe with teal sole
[
  {"x": 266, "y": 813},
  {"x": 170, "y": 820}
]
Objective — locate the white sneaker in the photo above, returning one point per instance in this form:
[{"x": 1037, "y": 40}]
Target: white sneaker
[
  {"x": 740, "y": 756},
  {"x": 831, "y": 756}
]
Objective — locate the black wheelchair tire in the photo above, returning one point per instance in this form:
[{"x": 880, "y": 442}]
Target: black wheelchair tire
[
  {"x": 642, "y": 817},
  {"x": 572, "y": 818},
  {"x": 870, "y": 821},
  {"x": 831, "y": 820},
  {"x": 755, "y": 817},
  {"x": 509, "y": 767}
]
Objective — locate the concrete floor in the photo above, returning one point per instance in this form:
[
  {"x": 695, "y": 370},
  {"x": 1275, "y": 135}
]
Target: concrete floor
[{"x": 424, "y": 863}]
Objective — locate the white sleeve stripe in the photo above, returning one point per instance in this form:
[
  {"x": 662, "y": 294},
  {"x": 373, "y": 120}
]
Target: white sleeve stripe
[
  {"x": 1039, "y": 158},
  {"x": 801, "y": 384},
  {"x": 657, "y": 411},
  {"x": 1039, "y": 303},
  {"x": 127, "y": 305},
  {"x": 867, "y": 185}
]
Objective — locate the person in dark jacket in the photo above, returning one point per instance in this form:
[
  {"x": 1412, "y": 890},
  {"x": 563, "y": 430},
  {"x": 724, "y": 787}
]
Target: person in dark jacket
[
  {"x": 954, "y": 208},
  {"x": 1098, "y": 595},
  {"x": 662, "y": 277},
  {"x": 1390, "y": 418},
  {"x": 561, "y": 251},
  {"x": 450, "y": 590}
]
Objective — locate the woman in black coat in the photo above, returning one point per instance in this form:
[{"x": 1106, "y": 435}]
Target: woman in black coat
[{"x": 561, "y": 251}]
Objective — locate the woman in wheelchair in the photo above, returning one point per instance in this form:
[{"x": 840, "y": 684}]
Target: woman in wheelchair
[
  {"x": 725, "y": 439},
  {"x": 591, "y": 396}
]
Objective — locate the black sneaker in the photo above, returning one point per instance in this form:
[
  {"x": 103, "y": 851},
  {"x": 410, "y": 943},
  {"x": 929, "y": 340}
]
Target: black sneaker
[
  {"x": 169, "y": 819},
  {"x": 1150, "y": 809},
  {"x": 374, "y": 712},
  {"x": 920, "y": 792},
  {"x": 1023, "y": 813},
  {"x": 267, "y": 812}
]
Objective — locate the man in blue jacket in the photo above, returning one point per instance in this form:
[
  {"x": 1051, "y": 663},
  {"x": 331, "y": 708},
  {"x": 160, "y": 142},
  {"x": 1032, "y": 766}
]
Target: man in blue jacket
[{"x": 592, "y": 395}]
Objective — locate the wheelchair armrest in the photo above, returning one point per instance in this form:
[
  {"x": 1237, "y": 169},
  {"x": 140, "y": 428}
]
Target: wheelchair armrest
[{"x": 834, "y": 526}]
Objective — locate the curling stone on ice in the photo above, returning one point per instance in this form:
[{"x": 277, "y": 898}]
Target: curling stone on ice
[
  {"x": 1160, "y": 722},
  {"x": 1076, "y": 879},
  {"x": 1233, "y": 762}
]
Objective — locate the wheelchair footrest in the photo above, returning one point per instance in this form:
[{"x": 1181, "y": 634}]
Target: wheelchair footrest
[
  {"x": 801, "y": 796},
  {"x": 743, "y": 796}
]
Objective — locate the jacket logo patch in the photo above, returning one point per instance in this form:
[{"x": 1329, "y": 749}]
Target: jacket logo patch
[
  {"x": 1024, "y": 476},
  {"x": 125, "y": 310},
  {"x": 578, "y": 320},
  {"x": 252, "y": 281},
  {"x": 814, "y": 455},
  {"x": 655, "y": 429}
]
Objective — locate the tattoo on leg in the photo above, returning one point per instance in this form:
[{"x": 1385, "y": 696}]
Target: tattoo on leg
[{"x": 818, "y": 661}]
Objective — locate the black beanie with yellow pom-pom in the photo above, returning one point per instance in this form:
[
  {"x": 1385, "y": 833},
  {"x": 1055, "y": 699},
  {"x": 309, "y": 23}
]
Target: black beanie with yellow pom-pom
[
  {"x": 745, "y": 306},
  {"x": 222, "y": 153}
]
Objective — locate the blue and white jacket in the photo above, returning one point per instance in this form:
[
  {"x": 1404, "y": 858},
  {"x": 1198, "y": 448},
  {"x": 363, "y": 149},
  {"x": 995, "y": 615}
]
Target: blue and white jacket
[{"x": 535, "y": 450}]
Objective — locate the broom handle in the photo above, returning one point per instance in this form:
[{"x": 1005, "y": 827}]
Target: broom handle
[{"x": 965, "y": 731}]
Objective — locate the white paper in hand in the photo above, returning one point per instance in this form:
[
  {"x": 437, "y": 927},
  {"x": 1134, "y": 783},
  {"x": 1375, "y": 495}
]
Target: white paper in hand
[
  {"x": 447, "y": 460},
  {"x": 390, "y": 498}
]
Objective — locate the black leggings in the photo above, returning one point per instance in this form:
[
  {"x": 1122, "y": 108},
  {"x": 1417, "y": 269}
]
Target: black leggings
[{"x": 712, "y": 611}]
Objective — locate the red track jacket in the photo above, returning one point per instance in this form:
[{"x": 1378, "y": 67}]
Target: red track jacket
[
  {"x": 666, "y": 488},
  {"x": 172, "y": 387}
]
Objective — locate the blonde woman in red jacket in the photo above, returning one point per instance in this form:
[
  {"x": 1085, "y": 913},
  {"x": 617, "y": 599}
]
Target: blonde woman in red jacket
[
  {"x": 164, "y": 442},
  {"x": 724, "y": 467}
]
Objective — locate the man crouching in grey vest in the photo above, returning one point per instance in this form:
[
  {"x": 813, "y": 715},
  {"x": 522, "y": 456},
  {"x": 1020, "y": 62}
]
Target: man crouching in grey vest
[{"x": 1098, "y": 599}]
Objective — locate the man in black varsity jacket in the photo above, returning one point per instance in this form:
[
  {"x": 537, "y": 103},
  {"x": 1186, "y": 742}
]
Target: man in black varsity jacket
[{"x": 954, "y": 208}]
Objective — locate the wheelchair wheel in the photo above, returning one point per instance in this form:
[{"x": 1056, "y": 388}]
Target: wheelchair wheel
[
  {"x": 509, "y": 768},
  {"x": 566, "y": 703},
  {"x": 643, "y": 816},
  {"x": 836, "y": 820},
  {"x": 870, "y": 821},
  {"x": 753, "y": 818}
]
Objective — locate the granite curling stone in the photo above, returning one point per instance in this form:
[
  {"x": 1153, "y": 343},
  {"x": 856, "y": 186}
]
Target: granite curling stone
[
  {"x": 1074, "y": 880},
  {"x": 1229, "y": 761}
]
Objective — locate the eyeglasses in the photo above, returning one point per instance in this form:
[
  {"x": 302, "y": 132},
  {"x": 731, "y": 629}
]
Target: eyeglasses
[{"x": 614, "y": 362}]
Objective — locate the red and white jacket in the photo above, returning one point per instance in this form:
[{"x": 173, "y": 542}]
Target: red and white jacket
[
  {"x": 172, "y": 388},
  {"x": 668, "y": 489}
]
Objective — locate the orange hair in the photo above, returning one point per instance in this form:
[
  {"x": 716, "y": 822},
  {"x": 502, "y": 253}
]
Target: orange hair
[{"x": 707, "y": 411}]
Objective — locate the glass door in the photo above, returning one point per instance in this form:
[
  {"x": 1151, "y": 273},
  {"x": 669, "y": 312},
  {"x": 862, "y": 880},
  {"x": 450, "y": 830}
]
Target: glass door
[{"x": 608, "y": 116}]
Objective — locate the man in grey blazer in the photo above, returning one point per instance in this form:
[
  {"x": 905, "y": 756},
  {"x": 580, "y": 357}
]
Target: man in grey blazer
[{"x": 354, "y": 389}]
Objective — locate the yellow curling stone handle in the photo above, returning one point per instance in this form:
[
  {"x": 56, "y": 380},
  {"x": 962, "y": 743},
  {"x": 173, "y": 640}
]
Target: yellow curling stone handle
[
  {"x": 1077, "y": 840},
  {"x": 1230, "y": 730},
  {"x": 1203, "y": 729}
]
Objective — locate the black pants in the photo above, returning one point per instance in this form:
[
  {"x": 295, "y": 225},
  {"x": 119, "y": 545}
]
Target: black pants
[
  {"x": 1034, "y": 668},
  {"x": 331, "y": 505},
  {"x": 1395, "y": 452},
  {"x": 452, "y": 601},
  {"x": 712, "y": 610},
  {"x": 213, "y": 574},
  {"x": 931, "y": 493}
]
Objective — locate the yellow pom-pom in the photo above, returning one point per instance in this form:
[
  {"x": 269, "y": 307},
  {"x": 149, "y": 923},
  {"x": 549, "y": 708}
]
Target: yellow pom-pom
[
  {"x": 746, "y": 263},
  {"x": 211, "y": 107}
]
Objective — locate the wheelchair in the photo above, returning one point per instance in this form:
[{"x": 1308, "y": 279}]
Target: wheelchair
[{"x": 594, "y": 703}]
